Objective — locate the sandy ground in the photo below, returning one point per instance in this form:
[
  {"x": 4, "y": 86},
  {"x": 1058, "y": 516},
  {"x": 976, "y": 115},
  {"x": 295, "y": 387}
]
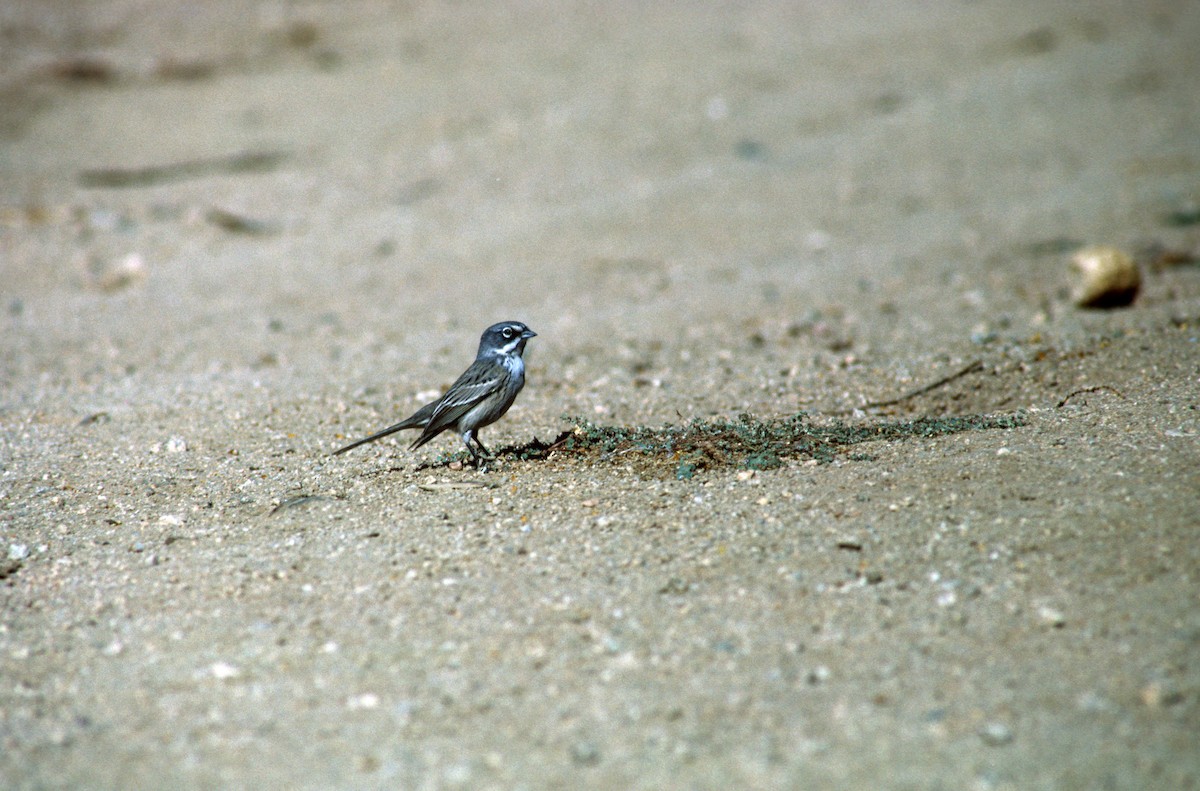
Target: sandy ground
[{"x": 233, "y": 236}]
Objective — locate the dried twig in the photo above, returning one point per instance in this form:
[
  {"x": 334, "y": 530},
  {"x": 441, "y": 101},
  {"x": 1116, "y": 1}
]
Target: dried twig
[
  {"x": 447, "y": 486},
  {"x": 245, "y": 162},
  {"x": 974, "y": 367},
  {"x": 558, "y": 443},
  {"x": 298, "y": 500},
  {"x": 1083, "y": 390}
]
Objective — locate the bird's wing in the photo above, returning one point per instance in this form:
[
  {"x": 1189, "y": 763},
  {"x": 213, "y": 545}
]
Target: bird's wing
[{"x": 476, "y": 384}]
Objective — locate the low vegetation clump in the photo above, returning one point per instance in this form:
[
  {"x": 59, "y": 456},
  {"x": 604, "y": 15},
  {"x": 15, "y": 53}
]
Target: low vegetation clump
[{"x": 748, "y": 442}]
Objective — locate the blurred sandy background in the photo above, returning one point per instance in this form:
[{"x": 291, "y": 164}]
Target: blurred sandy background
[{"x": 233, "y": 234}]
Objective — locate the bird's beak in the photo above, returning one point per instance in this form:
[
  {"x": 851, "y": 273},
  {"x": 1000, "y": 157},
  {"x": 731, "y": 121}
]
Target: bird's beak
[{"x": 527, "y": 334}]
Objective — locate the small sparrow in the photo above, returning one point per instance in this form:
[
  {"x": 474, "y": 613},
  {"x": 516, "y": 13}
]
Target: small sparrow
[{"x": 479, "y": 398}]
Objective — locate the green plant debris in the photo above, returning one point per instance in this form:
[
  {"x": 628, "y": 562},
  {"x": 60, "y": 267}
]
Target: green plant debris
[{"x": 745, "y": 443}]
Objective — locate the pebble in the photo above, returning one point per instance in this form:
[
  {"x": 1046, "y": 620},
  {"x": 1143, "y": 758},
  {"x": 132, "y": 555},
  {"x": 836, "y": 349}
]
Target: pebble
[
  {"x": 18, "y": 551},
  {"x": 129, "y": 271},
  {"x": 1104, "y": 277},
  {"x": 984, "y": 337},
  {"x": 1051, "y": 617},
  {"x": 365, "y": 701},
  {"x": 675, "y": 585},
  {"x": 1157, "y": 694},
  {"x": 996, "y": 734},
  {"x": 224, "y": 671}
]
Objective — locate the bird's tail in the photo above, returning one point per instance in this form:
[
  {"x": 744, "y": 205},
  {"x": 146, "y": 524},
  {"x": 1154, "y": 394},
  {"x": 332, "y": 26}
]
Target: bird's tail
[{"x": 411, "y": 422}]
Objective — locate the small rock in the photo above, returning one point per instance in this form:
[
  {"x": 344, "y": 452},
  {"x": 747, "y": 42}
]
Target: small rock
[
  {"x": 1051, "y": 617},
  {"x": 129, "y": 271},
  {"x": 1105, "y": 277},
  {"x": 984, "y": 337},
  {"x": 365, "y": 701},
  {"x": 1157, "y": 694},
  {"x": 675, "y": 585},
  {"x": 996, "y": 734},
  {"x": 223, "y": 671},
  {"x": 818, "y": 675},
  {"x": 238, "y": 223},
  {"x": 18, "y": 551},
  {"x": 176, "y": 445}
]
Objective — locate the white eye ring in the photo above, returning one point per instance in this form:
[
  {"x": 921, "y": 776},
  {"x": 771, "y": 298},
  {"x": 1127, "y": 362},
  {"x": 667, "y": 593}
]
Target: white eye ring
[{"x": 507, "y": 333}]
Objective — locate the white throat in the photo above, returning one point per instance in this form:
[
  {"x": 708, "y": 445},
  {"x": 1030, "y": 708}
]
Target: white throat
[{"x": 513, "y": 362}]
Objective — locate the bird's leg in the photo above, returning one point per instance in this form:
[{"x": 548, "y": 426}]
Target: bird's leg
[
  {"x": 482, "y": 448},
  {"x": 480, "y": 461}
]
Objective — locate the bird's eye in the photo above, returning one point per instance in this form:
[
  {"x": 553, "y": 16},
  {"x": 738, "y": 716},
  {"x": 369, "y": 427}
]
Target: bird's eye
[{"x": 507, "y": 333}]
